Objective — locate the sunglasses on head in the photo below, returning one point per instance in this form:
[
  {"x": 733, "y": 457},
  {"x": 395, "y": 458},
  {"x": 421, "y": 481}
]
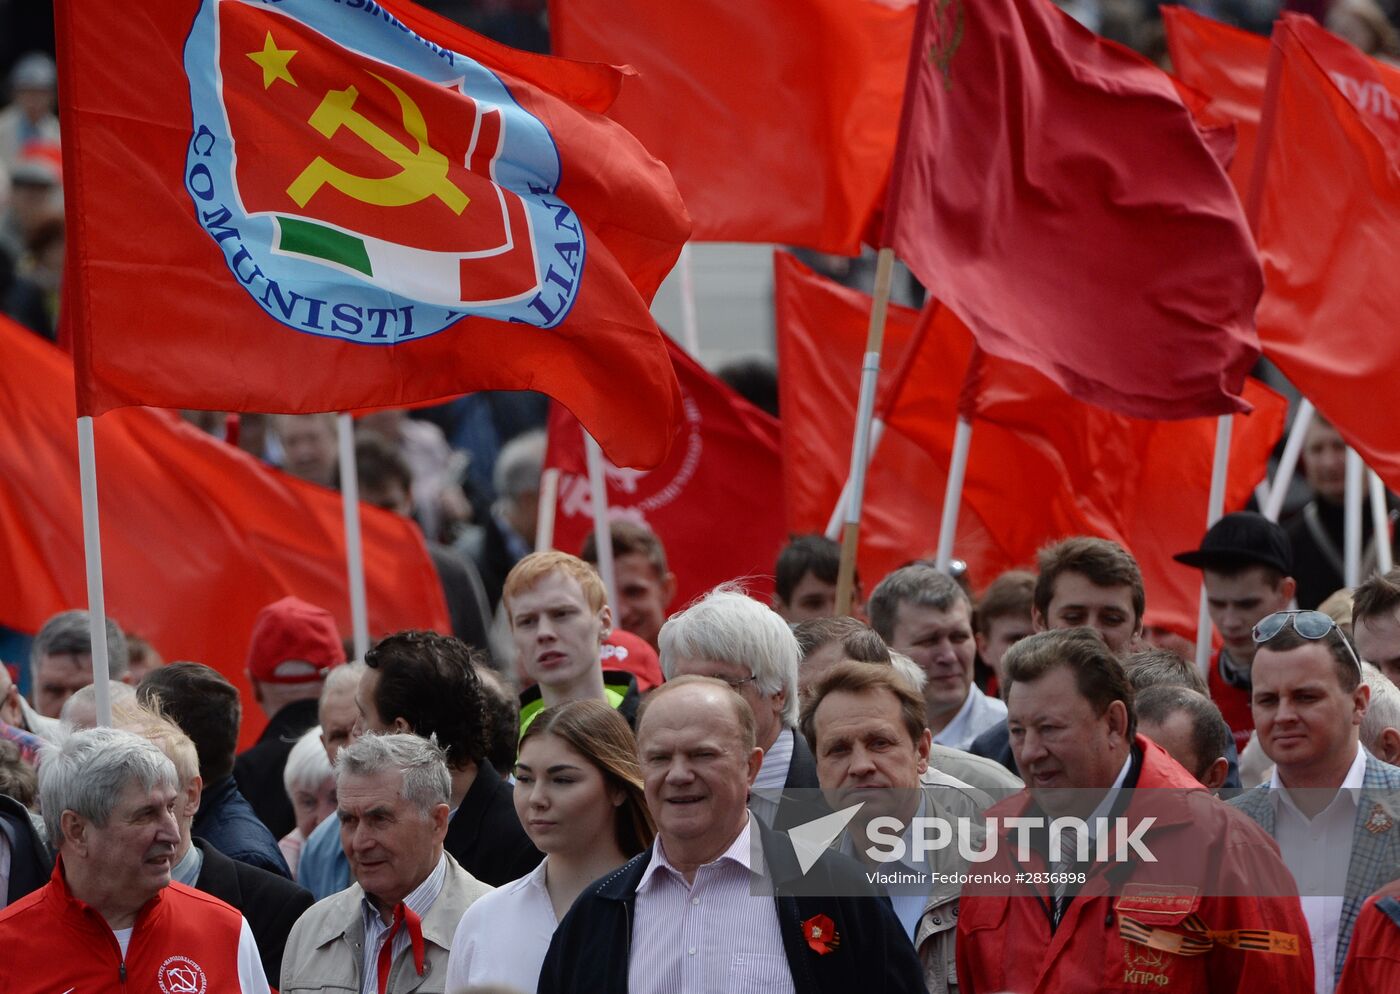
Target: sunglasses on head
[{"x": 1311, "y": 625}]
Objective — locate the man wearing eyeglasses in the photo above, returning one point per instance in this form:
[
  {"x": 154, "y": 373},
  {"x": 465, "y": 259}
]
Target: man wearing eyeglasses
[
  {"x": 1329, "y": 803},
  {"x": 732, "y": 637}
]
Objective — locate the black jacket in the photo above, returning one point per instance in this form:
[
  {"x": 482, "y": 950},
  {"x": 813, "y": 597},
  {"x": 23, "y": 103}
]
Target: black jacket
[
  {"x": 591, "y": 949},
  {"x": 31, "y": 864},
  {"x": 258, "y": 772},
  {"x": 228, "y": 824},
  {"x": 272, "y": 904},
  {"x": 485, "y": 836}
]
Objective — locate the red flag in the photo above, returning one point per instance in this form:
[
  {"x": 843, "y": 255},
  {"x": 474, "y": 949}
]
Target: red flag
[
  {"x": 1052, "y": 190},
  {"x": 197, "y": 536},
  {"x": 1229, "y": 66},
  {"x": 1328, "y": 215},
  {"x": 716, "y": 503},
  {"x": 310, "y": 207},
  {"x": 777, "y": 117},
  {"x": 1144, "y": 484},
  {"x": 1042, "y": 465}
]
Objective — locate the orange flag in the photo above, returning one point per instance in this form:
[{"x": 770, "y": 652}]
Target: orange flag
[
  {"x": 197, "y": 536},
  {"x": 327, "y": 206},
  {"x": 777, "y": 117},
  {"x": 1230, "y": 67},
  {"x": 1328, "y": 218}
]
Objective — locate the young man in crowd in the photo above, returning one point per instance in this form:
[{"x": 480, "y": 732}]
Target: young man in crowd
[
  {"x": 804, "y": 579},
  {"x": 645, "y": 586},
  {"x": 1246, "y": 563}
]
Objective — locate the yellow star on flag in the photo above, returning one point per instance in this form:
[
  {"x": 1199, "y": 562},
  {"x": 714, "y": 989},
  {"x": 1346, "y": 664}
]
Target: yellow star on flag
[{"x": 273, "y": 61}]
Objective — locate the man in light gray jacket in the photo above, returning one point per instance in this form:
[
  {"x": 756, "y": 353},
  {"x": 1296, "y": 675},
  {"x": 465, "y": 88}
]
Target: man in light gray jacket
[{"x": 391, "y": 930}]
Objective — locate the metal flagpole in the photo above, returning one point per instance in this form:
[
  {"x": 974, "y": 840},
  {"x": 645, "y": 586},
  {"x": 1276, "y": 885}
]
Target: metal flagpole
[
  {"x": 354, "y": 549},
  {"x": 952, "y": 495},
  {"x": 860, "y": 443},
  {"x": 1351, "y": 556},
  {"x": 544, "y": 517},
  {"x": 1380, "y": 522},
  {"x": 1224, "y": 428},
  {"x": 92, "y": 554},
  {"x": 690, "y": 324},
  {"x": 1288, "y": 462},
  {"x": 602, "y": 528}
]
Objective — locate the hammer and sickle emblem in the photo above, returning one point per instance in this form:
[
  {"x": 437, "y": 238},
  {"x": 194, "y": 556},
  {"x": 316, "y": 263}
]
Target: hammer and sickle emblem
[{"x": 422, "y": 173}]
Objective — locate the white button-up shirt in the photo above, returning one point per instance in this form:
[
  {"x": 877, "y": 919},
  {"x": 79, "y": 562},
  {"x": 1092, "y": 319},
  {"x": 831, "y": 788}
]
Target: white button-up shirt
[
  {"x": 977, "y": 714},
  {"x": 1317, "y": 852},
  {"x": 503, "y": 937},
  {"x": 423, "y": 897},
  {"x": 713, "y": 936},
  {"x": 772, "y": 777}
]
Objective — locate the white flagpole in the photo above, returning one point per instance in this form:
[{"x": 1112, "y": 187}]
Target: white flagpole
[
  {"x": 354, "y": 550},
  {"x": 860, "y": 443},
  {"x": 92, "y": 554},
  {"x": 1380, "y": 522},
  {"x": 602, "y": 528},
  {"x": 544, "y": 517},
  {"x": 690, "y": 325},
  {"x": 952, "y": 495},
  {"x": 1351, "y": 557},
  {"x": 1224, "y": 428},
  {"x": 838, "y": 513},
  {"x": 1288, "y": 463}
]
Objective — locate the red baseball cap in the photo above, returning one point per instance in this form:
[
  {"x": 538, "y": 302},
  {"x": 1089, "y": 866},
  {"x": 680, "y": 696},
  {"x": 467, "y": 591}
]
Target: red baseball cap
[
  {"x": 293, "y": 642},
  {"x": 624, "y": 651}
]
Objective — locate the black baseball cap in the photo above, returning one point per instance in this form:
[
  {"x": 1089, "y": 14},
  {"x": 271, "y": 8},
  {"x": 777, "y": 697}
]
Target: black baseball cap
[{"x": 1245, "y": 538}]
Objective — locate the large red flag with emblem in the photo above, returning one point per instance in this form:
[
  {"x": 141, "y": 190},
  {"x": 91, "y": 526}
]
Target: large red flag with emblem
[
  {"x": 716, "y": 503},
  {"x": 777, "y": 117},
  {"x": 1228, "y": 66},
  {"x": 1052, "y": 189},
  {"x": 1328, "y": 219},
  {"x": 310, "y": 206},
  {"x": 197, "y": 535}
]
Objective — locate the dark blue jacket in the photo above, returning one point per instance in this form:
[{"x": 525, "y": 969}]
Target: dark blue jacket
[
  {"x": 591, "y": 948},
  {"x": 226, "y": 821}
]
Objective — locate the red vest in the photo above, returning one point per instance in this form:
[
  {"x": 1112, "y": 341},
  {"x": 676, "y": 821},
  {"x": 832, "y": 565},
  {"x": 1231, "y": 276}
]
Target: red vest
[
  {"x": 184, "y": 942},
  {"x": 1233, "y": 703}
]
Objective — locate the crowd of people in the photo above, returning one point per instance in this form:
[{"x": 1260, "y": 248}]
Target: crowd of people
[{"x": 431, "y": 817}]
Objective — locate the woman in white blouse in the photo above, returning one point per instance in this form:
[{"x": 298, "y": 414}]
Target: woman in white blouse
[{"x": 578, "y": 792}]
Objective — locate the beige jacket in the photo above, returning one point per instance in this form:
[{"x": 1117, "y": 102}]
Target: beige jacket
[
  {"x": 945, "y": 797},
  {"x": 326, "y": 946}
]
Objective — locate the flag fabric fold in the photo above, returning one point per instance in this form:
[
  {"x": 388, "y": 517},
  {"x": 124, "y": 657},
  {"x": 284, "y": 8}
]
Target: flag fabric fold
[
  {"x": 715, "y": 503},
  {"x": 776, "y": 117},
  {"x": 1042, "y": 464},
  {"x": 1329, "y": 210},
  {"x": 1052, "y": 189},
  {"x": 309, "y": 206},
  {"x": 197, "y": 536}
]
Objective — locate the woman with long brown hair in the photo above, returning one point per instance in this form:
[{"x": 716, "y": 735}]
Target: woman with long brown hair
[{"x": 578, "y": 792}]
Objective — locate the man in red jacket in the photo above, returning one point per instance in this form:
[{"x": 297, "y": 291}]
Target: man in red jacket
[
  {"x": 1212, "y": 913},
  {"x": 109, "y": 918}
]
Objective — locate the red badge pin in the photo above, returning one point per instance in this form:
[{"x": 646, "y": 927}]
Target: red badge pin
[{"x": 820, "y": 933}]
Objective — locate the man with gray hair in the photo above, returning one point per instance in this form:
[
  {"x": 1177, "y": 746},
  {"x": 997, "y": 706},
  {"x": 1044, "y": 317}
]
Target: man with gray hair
[
  {"x": 61, "y": 663},
  {"x": 730, "y": 636},
  {"x": 394, "y": 925},
  {"x": 110, "y": 914},
  {"x": 924, "y": 614},
  {"x": 1380, "y": 725}
]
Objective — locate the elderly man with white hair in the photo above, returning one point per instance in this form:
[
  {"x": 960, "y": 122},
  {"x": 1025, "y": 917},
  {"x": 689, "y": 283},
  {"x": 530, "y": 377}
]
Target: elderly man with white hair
[
  {"x": 110, "y": 917},
  {"x": 393, "y": 927},
  {"x": 1380, "y": 726},
  {"x": 730, "y": 636}
]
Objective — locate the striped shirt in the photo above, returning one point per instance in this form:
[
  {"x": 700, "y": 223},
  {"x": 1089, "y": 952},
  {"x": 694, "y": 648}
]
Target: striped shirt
[
  {"x": 710, "y": 937},
  {"x": 419, "y": 901}
]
